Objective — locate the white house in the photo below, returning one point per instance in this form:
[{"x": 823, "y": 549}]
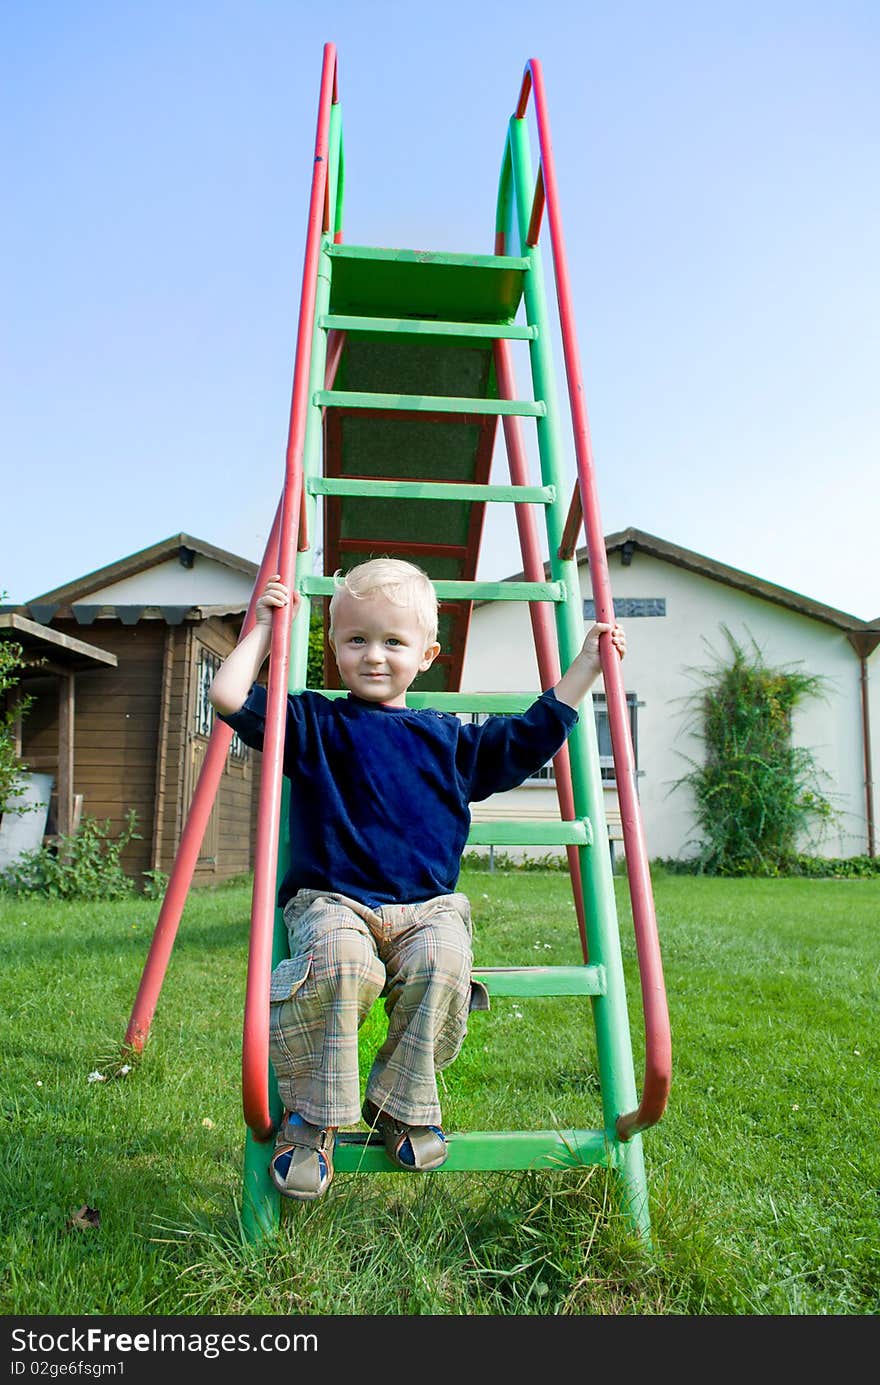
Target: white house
[{"x": 674, "y": 603}]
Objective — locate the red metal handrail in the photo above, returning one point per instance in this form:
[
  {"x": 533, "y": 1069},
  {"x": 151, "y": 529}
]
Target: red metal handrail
[
  {"x": 658, "y": 1052},
  {"x": 187, "y": 853},
  {"x": 539, "y": 612},
  {"x": 255, "y": 1048}
]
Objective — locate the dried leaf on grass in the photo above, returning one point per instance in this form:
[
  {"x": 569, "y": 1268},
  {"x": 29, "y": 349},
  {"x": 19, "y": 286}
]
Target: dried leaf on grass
[{"x": 85, "y": 1219}]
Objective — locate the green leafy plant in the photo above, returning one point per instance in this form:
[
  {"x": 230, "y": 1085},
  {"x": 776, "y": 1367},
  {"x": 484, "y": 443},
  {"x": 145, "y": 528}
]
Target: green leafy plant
[
  {"x": 504, "y": 861},
  {"x": 155, "y": 883},
  {"x": 315, "y": 669},
  {"x": 811, "y": 867},
  {"x": 10, "y": 766},
  {"x": 756, "y": 792},
  {"x": 86, "y": 865},
  {"x": 839, "y": 868}
]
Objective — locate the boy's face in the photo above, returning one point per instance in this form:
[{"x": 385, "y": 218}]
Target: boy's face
[{"x": 379, "y": 647}]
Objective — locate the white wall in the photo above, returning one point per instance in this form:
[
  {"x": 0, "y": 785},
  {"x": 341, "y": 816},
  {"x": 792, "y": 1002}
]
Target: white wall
[
  {"x": 659, "y": 668},
  {"x": 873, "y": 665},
  {"x": 206, "y": 583}
]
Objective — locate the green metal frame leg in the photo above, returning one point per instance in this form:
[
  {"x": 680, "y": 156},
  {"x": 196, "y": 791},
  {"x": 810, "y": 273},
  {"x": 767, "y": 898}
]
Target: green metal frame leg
[
  {"x": 633, "y": 1188},
  {"x": 261, "y": 1201}
]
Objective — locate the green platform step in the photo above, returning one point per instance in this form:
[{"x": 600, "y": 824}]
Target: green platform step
[
  {"x": 428, "y": 403},
  {"x": 496, "y": 1151},
  {"x": 431, "y": 490},
  {"x": 370, "y": 280},
  {"x": 530, "y": 832},
  {"x": 462, "y": 591},
  {"x": 428, "y": 327},
  {"x": 454, "y": 701},
  {"x": 542, "y": 981}
]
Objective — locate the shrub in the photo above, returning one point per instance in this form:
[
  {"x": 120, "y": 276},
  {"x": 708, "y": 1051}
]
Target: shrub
[
  {"x": 85, "y": 865},
  {"x": 505, "y": 861},
  {"x": 10, "y": 767},
  {"x": 816, "y": 867},
  {"x": 846, "y": 868},
  {"x": 315, "y": 670},
  {"x": 756, "y": 792},
  {"x": 155, "y": 883}
]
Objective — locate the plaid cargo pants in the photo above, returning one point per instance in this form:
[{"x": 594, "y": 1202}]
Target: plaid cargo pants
[{"x": 343, "y": 955}]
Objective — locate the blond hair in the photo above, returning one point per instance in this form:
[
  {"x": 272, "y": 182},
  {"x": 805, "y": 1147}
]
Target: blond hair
[{"x": 402, "y": 583}]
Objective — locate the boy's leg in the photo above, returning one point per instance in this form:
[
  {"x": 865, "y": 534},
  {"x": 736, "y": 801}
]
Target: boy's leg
[
  {"x": 427, "y": 953},
  {"x": 318, "y": 1000}
]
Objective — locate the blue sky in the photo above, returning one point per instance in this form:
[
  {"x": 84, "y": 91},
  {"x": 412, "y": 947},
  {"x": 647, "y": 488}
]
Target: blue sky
[{"x": 718, "y": 172}]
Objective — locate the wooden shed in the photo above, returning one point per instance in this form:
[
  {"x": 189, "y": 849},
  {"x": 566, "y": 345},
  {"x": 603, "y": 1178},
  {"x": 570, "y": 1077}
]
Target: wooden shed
[{"x": 119, "y": 663}]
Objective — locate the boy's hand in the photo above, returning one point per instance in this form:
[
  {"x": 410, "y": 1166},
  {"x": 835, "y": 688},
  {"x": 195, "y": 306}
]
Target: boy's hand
[
  {"x": 591, "y": 643},
  {"x": 239, "y": 669},
  {"x": 585, "y": 668},
  {"x": 274, "y": 596}
]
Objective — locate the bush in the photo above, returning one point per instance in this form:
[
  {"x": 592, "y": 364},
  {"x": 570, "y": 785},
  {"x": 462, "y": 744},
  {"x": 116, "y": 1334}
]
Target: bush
[
  {"x": 85, "y": 865},
  {"x": 505, "y": 861},
  {"x": 815, "y": 867},
  {"x": 756, "y": 792},
  {"x": 848, "y": 868},
  {"x": 155, "y": 883},
  {"x": 10, "y": 767}
]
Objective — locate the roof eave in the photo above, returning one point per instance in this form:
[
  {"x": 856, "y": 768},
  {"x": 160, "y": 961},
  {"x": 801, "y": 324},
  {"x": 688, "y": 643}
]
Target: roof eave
[{"x": 650, "y": 544}]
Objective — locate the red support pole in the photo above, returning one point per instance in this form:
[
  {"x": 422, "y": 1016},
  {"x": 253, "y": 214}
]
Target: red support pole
[
  {"x": 539, "y": 614},
  {"x": 255, "y": 1051},
  {"x": 658, "y": 1052},
  {"x": 191, "y": 839}
]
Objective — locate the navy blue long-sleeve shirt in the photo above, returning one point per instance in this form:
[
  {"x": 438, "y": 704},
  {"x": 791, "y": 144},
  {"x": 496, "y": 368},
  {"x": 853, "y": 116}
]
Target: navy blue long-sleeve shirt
[{"x": 379, "y": 802}]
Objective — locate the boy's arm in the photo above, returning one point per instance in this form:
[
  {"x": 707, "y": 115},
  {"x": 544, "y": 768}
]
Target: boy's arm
[
  {"x": 239, "y": 670},
  {"x": 585, "y": 668}
]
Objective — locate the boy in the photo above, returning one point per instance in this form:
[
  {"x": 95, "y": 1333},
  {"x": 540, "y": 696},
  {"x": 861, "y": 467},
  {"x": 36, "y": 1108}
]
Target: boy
[{"x": 379, "y": 819}]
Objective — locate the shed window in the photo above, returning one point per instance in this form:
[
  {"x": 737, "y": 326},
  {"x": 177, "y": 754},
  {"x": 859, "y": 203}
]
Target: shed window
[
  {"x": 205, "y": 715},
  {"x": 208, "y": 664},
  {"x": 238, "y": 751}
]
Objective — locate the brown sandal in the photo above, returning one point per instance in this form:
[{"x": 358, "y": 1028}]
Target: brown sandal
[
  {"x": 428, "y": 1148},
  {"x": 302, "y": 1161}
]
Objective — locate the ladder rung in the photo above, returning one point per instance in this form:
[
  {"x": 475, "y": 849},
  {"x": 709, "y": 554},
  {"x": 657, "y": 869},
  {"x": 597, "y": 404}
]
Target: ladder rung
[
  {"x": 428, "y": 403},
  {"x": 452, "y": 701},
  {"x": 532, "y": 981},
  {"x": 343, "y": 322},
  {"x": 430, "y": 490},
  {"x": 486, "y": 1149},
  {"x": 378, "y": 254},
  {"x": 461, "y": 591},
  {"x": 531, "y": 832}
]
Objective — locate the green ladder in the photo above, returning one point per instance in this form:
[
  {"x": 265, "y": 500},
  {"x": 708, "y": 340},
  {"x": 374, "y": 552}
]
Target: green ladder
[{"x": 404, "y": 368}]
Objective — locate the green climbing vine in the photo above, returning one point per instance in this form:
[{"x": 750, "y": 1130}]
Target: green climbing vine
[{"x": 756, "y": 792}]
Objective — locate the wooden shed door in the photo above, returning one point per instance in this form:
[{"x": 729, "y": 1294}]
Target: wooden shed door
[{"x": 208, "y": 849}]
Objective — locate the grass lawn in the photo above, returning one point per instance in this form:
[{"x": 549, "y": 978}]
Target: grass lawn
[{"x": 763, "y": 1174}]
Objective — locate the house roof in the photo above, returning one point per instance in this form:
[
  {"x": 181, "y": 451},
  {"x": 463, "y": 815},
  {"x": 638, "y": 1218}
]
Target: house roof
[
  {"x": 178, "y": 545},
  {"x": 72, "y": 599},
  {"x": 627, "y": 541}
]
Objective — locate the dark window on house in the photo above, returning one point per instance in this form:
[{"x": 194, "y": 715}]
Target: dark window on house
[
  {"x": 237, "y": 749},
  {"x": 545, "y": 774},
  {"x": 603, "y": 733},
  {"x": 205, "y": 715},
  {"x": 625, "y": 607}
]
